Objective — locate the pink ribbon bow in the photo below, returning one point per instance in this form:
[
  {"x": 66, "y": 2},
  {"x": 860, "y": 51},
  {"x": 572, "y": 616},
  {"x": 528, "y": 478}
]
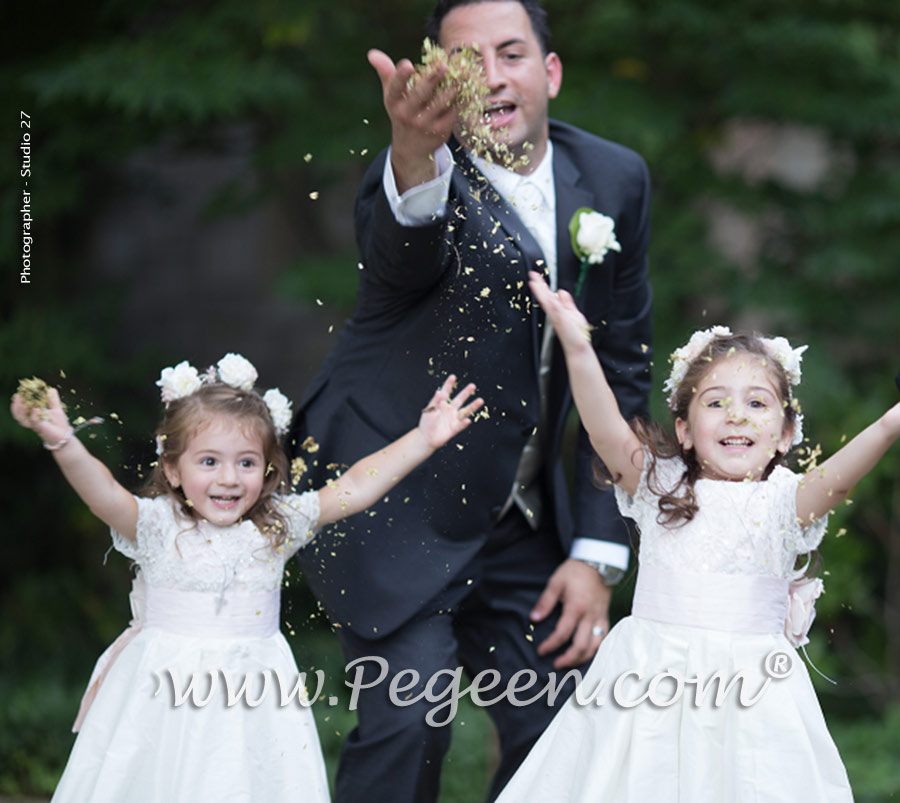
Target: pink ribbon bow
[
  {"x": 802, "y": 596},
  {"x": 105, "y": 661}
]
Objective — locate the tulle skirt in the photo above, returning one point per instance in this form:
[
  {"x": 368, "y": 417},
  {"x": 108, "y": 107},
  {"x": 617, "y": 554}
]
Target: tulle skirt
[
  {"x": 651, "y": 722},
  {"x": 146, "y": 739}
]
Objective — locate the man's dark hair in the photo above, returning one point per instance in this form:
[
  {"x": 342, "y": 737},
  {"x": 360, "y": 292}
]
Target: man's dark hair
[{"x": 536, "y": 14}]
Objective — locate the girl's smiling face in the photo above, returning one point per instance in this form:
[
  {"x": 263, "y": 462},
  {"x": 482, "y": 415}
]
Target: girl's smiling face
[
  {"x": 222, "y": 470},
  {"x": 736, "y": 420}
]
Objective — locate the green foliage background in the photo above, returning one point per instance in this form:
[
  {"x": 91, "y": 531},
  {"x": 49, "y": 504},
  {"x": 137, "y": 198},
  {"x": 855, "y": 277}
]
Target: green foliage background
[{"x": 669, "y": 78}]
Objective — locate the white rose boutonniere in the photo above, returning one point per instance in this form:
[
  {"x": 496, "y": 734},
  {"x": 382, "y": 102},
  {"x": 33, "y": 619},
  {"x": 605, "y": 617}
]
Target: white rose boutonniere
[{"x": 593, "y": 234}]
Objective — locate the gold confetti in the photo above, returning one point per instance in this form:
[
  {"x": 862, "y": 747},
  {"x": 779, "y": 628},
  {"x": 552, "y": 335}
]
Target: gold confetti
[
  {"x": 314, "y": 195},
  {"x": 298, "y": 469},
  {"x": 465, "y": 75},
  {"x": 33, "y": 393},
  {"x": 307, "y": 158}
]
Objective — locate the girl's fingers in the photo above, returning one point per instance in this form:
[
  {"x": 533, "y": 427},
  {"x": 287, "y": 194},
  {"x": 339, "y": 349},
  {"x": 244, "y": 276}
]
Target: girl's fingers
[
  {"x": 447, "y": 388},
  {"x": 441, "y": 395},
  {"x": 470, "y": 408},
  {"x": 460, "y": 399}
]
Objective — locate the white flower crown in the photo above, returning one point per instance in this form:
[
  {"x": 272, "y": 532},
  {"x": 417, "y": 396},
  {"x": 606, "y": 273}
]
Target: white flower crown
[
  {"x": 232, "y": 370},
  {"x": 778, "y": 349}
]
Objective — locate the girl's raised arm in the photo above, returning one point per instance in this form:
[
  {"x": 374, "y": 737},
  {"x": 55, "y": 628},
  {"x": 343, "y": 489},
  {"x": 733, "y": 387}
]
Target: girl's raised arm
[
  {"x": 370, "y": 478},
  {"x": 611, "y": 436},
  {"x": 91, "y": 480},
  {"x": 823, "y": 487}
]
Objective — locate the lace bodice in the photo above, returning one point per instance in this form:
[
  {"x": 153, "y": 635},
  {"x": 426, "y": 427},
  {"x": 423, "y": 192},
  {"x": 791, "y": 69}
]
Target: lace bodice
[
  {"x": 740, "y": 528},
  {"x": 176, "y": 552}
]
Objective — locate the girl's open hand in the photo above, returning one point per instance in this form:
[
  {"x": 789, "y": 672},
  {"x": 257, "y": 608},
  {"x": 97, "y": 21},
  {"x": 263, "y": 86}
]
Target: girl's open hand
[
  {"x": 570, "y": 325},
  {"x": 50, "y": 423},
  {"x": 444, "y": 417}
]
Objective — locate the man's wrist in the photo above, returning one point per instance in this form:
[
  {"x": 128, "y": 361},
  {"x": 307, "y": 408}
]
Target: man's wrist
[{"x": 610, "y": 575}]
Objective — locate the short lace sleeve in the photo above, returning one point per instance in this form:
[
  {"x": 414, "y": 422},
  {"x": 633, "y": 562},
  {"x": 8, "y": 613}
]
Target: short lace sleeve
[
  {"x": 799, "y": 537},
  {"x": 302, "y": 514},
  {"x": 156, "y": 519},
  {"x": 643, "y": 507}
]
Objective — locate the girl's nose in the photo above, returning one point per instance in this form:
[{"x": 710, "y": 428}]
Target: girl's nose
[
  {"x": 228, "y": 474},
  {"x": 736, "y": 414}
]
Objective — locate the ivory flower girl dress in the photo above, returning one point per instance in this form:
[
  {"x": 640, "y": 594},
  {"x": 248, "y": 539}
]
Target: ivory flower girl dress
[{"x": 711, "y": 601}]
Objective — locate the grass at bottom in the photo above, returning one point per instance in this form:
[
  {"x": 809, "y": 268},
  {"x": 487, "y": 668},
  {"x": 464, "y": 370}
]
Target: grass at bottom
[{"x": 869, "y": 747}]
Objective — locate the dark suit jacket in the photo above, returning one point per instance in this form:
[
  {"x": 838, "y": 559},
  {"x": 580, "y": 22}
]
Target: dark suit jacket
[{"x": 452, "y": 297}]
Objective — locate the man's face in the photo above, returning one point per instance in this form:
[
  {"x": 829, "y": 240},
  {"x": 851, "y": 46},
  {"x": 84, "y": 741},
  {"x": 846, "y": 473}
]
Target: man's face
[{"x": 520, "y": 78}]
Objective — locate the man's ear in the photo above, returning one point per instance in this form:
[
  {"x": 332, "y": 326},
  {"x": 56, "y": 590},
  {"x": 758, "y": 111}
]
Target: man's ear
[
  {"x": 683, "y": 433},
  {"x": 554, "y": 74}
]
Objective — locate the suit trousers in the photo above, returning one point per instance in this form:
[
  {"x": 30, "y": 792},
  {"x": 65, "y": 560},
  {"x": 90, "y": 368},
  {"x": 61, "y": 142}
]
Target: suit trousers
[{"x": 480, "y": 621}]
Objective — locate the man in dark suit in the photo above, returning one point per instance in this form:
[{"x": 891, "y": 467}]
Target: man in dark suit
[{"x": 475, "y": 560}]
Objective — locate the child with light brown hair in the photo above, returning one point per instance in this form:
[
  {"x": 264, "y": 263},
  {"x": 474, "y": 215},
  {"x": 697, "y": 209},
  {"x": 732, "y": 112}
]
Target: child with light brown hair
[
  {"x": 211, "y": 536},
  {"x": 700, "y": 695}
]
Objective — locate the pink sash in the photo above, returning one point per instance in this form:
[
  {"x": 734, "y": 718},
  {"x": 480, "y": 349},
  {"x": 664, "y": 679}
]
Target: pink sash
[
  {"x": 187, "y": 613},
  {"x": 105, "y": 661},
  {"x": 737, "y": 603}
]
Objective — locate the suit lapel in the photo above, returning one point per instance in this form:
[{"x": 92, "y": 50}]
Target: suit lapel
[{"x": 569, "y": 198}]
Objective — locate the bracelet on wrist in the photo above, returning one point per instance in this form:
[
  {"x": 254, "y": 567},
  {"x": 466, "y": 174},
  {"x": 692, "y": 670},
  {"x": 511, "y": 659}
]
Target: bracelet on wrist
[{"x": 53, "y": 447}]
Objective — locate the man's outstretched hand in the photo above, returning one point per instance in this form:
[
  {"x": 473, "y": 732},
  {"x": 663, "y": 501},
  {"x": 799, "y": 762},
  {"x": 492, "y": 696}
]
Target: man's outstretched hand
[{"x": 422, "y": 116}]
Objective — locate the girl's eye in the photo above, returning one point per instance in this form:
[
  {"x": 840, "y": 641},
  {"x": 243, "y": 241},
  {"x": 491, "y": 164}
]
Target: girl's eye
[
  {"x": 247, "y": 463},
  {"x": 208, "y": 461},
  {"x": 757, "y": 404},
  {"x": 714, "y": 403}
]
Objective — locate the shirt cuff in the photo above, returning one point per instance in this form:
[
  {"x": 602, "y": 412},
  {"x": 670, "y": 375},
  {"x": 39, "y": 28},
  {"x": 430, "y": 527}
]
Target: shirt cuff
[
  {"x": 422, "y": 204},
  {"x": 596, "y": 551}
]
